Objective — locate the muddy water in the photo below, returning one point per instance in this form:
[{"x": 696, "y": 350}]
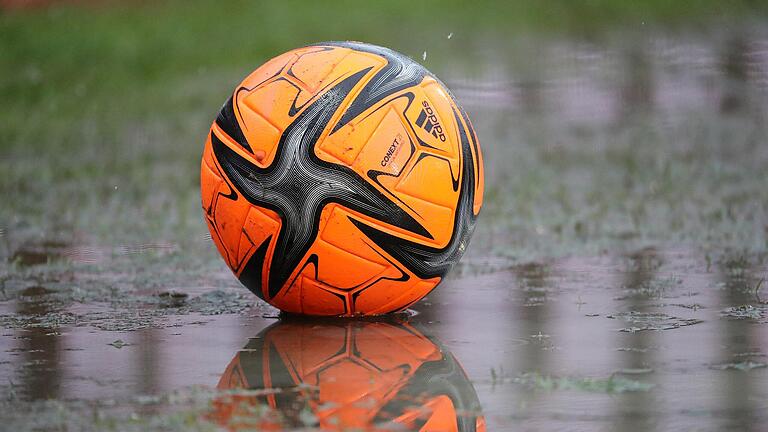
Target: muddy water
[{"x": 651, "y": 340}]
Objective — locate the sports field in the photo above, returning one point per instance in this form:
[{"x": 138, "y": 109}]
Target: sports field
[{"x": 614, "y": 282}]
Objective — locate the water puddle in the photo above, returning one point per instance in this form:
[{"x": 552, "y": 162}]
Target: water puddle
[{"x": 541, "y": 345}]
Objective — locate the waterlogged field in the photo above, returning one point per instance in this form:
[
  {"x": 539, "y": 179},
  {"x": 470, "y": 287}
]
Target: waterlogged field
[{"x": 616, "y": 280}]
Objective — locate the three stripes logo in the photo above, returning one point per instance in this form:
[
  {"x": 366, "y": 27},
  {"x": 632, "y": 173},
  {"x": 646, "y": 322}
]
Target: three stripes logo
[{"x": 429, "y": 122}]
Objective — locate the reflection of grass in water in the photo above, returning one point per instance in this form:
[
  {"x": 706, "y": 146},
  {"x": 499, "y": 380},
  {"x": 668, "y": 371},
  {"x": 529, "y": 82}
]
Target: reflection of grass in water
[{"x": 612, "y": 384}]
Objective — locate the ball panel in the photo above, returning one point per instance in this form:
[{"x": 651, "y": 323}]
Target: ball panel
[
  {"x": 313, "y": 68},
  {"x": 315, "y": 300},
  {"x": 429, "y": 262},
  {"x": 349, "y": 63},
  {"x": 428, "y": 169},
  {"x": 380, "y": 295},
  {"x": 388, "y": 228},
  {"x": 271, "y": 101},
  {"x": 390, "y": 296},
  {"x": 289, "y": 299},
  {"x": 341, "y": 269},
  {"x": 228, "y": 220},
  {"x": 398, "y": 73},
  {"x": 270, "y": 69},
  {"x": 261, "y": 134},
  {"x": 439, "y": 218},
  {"x": 389, "y": 147},
  {"x": 219, "y": 135},
  {"x": 261, "y": 225},
  {"x": 343, "y": 146},
  {"x": 339, "y": 231},
  {"x": 209, "y": 181},
  {"x": 385, "y": 155}
]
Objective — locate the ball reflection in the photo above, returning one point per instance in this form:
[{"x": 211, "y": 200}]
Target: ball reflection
[{"x": 347, "y": 375}]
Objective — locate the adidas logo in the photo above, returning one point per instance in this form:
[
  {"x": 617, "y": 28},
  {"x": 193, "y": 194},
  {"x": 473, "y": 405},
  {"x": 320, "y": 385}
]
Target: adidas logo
[{"x": 428, "y": 121}]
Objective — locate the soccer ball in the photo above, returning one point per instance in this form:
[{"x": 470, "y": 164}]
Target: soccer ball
[
  {"x": 341, "y": 179},
  {"x": 351, "y": 375}
]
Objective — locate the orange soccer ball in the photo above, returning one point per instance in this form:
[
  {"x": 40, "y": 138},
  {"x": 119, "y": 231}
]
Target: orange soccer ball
[{"x": 341, "y": 179}]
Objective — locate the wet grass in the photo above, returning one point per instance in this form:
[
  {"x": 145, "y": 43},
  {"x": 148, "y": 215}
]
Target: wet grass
[
  {"x": 653, "y": 321},
  {"x": 649, "y": 183},
  {"x": 748, "y": 312}
]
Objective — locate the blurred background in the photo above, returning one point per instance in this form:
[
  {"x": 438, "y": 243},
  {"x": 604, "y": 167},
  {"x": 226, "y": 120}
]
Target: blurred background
[{"x": 625, "y": 150}]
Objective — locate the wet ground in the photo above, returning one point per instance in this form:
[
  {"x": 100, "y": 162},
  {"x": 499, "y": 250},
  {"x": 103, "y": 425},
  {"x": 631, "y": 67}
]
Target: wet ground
[
  {"x": 651, "y": 340},
  {"x": 616, "y": 280}
]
